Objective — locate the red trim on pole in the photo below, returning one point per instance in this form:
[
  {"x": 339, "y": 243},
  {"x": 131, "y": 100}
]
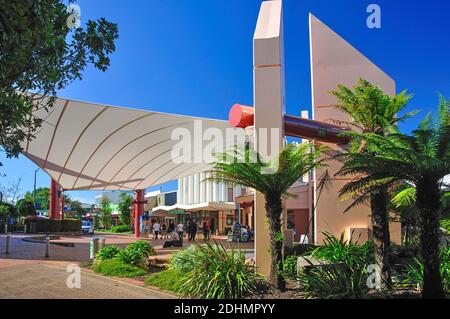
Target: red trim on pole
[{"x": 139, "y": 201}]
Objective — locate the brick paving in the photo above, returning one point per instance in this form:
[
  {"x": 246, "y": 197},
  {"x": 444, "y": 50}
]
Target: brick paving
[
  {"x": 26, "y": 273},
  {"x": 40, "y": 280}
]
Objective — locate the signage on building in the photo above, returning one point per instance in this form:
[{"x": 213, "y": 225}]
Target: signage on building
[{"x": 176, "y": 212}]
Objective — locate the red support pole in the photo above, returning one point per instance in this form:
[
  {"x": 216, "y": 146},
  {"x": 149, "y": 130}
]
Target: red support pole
[
  {"x": 54, "y": 208},
  {"x": 139, "y": 201}
]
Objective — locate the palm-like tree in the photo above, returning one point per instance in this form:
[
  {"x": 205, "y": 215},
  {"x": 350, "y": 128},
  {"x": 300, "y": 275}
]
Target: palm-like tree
[
  {"x": 372, "y": 111},
  {"x": 404, "y": 204},
  {"x": 293, "y": 162},
  {"x": 421, "y": 159}
]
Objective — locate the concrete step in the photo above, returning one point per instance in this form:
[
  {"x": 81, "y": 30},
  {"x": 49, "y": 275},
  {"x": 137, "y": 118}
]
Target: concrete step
[
  {"x": 159, "y": 259},
  {"x": 166, "y": 251}
]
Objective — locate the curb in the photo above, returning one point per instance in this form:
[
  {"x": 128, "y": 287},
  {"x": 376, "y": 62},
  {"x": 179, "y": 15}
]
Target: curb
[{"x": 137, "y": 284}]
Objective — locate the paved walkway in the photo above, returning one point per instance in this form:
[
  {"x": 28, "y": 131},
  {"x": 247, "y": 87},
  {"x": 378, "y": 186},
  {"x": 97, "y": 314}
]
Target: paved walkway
[
  {"x": 42, "y": 279},
  {"x": 26, "y": 273},
  {"x": 80, "y": 250}
]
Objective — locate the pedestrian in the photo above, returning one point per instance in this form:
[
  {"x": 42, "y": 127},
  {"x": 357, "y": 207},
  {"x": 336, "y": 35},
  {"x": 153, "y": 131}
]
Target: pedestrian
[
  {"x": 205, "y": 230},
  {"x": 180, "y": 231},
  {"x": 171, "y": 227},
  {"x": 150, "y": 227},
  {"x": 156, "y": 229},
  {"x": 164, "y": 234},
  {"x": 192, "y": 230},
  {"x": 189, "y": 229}
]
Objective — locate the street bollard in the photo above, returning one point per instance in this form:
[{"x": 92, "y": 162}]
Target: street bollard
[
  {"x": 47, "y": 246},
  {"x": 6, "y": 228},
  {"x": 8, "y": 244},
  {"x": 93, "y": 247},
  {"x": 25, "y": 228},
  {"x": 101, "y": 242}
]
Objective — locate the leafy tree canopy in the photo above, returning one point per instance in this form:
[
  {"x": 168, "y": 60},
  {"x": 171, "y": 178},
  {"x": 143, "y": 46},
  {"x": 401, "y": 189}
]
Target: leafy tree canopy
[
  {"x": 42, "y": 196},
  {"x": 41, "y": 53},
  {"x": 76, "y": 208},
  {"x": 7, "y": 210},
  {"x": 124, "y": 207},
  {"x": 25, "y": 207}
]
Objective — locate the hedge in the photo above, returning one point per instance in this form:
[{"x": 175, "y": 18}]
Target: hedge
[{"x": 44, "y": 225}]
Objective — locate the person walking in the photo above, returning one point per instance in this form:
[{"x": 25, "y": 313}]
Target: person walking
[
  {"x": 171, "y": 228},
  {"x": 180, "y": 231},
  {"x": 189, "y": 229},
  {"x": 164, "y": 234},
  {"x": 156, "y": 229},
  {"x": 192, "y": 230},
  {"x": 205, "y": 230}
]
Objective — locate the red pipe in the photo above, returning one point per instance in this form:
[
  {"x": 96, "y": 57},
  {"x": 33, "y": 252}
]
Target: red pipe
[{"x": 243, "y": 116}]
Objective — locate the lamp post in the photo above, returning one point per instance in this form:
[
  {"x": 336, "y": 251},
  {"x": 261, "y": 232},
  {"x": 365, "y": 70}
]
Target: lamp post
[{"x": 34, "y": 187}]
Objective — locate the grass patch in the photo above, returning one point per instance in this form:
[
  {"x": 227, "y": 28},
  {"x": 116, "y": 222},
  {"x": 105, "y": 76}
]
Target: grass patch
[
  {"x": 110, "y": 231},
  {"x": 117, "y": 268},
  {"x": 121, "y": 229},
  {"x": 170, "y": 279}
]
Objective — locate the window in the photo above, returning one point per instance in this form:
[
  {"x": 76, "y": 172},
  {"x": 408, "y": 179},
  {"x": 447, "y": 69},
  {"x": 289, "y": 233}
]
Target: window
[
  {"x": 230, "y": 194},
  {"x": 290, "y": 219}
]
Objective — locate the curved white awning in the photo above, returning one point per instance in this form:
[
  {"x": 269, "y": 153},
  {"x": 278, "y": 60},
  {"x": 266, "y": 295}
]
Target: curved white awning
[{"x": 87, "y": 146}]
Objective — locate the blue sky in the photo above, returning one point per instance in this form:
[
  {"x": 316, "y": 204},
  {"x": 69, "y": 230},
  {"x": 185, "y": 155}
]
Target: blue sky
[{"x": 194, "y": 57}]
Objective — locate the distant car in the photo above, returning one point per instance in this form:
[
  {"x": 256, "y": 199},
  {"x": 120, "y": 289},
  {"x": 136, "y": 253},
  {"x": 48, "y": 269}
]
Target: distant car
[{"x": 87, "y": 227}]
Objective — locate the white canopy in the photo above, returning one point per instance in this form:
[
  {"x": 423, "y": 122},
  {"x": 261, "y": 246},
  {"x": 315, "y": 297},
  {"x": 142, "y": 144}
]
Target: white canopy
[
  {"x": 207, "y": 206},
  {"x": 86, "y": 146}
]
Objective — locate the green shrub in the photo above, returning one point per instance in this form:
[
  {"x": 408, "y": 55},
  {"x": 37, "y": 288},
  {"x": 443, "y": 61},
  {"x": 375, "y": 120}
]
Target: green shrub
[
  {"x": 108, "y": 252},
  {"x": 218, "y": 274},
  {"x": 334, "y": 281},
  {"x": 342, "y": 272},
  {"x": 184, "y": 259},
  {"x": 143, "y": 247},
  {"x": 70, "y": 225},
  {"x": 133, "y": 254},
  {"x": 131, "y": 257},
  {"x": 290, "y": 266},
  {"x": 121, "y": 229},
  {"x": 414, "y": 273},
  {"x": 169, "y": 279},
  {"x": 116, "y": 267},
  {"x": 45, "y": 225},
  {"x": 343, "y": 251}
]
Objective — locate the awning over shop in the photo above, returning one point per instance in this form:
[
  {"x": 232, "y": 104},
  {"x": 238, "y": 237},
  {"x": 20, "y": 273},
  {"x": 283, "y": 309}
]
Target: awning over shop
[{"x": 186, "y": 209}]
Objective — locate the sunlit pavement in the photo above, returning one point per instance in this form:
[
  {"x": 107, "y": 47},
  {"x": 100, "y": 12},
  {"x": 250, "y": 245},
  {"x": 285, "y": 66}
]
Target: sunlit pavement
[
  {"x": 40, "y": 279},
  {"x": 26, "y": 273}
]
